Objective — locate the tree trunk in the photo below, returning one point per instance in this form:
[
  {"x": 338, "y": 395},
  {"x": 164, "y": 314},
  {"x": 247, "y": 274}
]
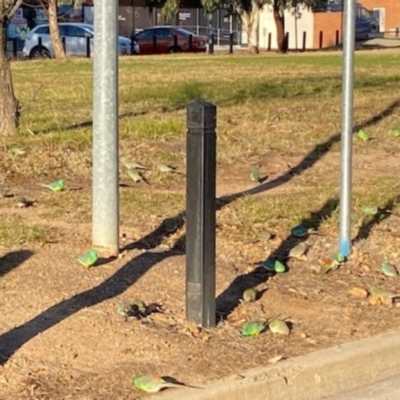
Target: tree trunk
[
  {"x": 58, "y": 47},
  {"x": 251, "y": 21},
  {"x": 280, "y": 28},
  {"x": 9, "y": 113}
]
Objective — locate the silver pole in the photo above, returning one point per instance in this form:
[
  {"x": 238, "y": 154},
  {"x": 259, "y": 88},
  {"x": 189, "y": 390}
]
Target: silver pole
[
  {"x": 105, "y": 197},
  {"x": 347, "y": 126}
]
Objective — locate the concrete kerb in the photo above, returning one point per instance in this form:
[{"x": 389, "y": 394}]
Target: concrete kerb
[{"x": 312, "y": 376}]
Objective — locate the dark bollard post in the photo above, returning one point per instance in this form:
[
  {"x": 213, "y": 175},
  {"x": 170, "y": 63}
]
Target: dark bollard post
[
  {"x": 15, "y": 48},
  {"x": 175, "y": 41},
  {"x": 132, "y": 44},
  {"x": 337, "y": 38},
  {"x": 269, "y": 41},
  {"x": 40, "y": 43},
  {"x": 63, "y": 43},
  {"x": 154, "y": 44},
  {"x": 286, "y": 41},
  {"x": 88, "y": 47},
  {"x": 304, "y": 41},
  {"x": 321, "y": 39},
  {"x": 200, "y": 213},
  {"x": 231, "y": 43},
  {"x": 397, "y": 32},
  {"x": 190, "y": 42},
  {"x": 211, "y": 44}
]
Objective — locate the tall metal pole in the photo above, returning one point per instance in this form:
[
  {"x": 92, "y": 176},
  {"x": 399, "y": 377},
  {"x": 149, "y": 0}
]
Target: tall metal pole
[
  {"x": 105, "y": 197},
  {"x": 347, "y": 126}
]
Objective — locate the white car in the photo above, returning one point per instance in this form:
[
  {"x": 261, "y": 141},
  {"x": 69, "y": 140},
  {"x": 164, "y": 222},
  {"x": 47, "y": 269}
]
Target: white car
[{"x": 74, "y": 35}]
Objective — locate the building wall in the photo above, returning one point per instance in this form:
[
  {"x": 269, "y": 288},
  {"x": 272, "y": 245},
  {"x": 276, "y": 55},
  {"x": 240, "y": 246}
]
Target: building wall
[
  {"x": 328, "y": 23},
  {"x": 391, "y": 13},
  {"x": 295, "y": 25}
]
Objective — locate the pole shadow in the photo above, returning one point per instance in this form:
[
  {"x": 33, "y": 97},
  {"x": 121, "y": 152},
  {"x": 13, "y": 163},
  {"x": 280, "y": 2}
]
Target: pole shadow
[
  {"x": 12, "y": 260},
  {"x": 368, "y": 223}
]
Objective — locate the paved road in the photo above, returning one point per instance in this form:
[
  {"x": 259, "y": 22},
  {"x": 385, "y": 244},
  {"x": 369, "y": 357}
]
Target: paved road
[{"x": 385, "y": 390}]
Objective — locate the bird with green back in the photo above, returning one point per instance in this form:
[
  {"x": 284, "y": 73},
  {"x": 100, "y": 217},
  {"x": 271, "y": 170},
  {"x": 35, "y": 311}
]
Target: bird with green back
[
  {"x": 255, "y": 175},
  {"x": 254, "y": 328},
  {"x": 56, "y": 186},
  {"x": 273, "y": 265},
  {"x": 394, "y": 132},
  {"x": 279, "y": 326},
  {"x": 363, "y": 136},
  {"x": 389, "y": 270},
  {"x": 153, "y": 384},
  {"x": 133, "y": 164},
  {"x": 249, "y": 295},
  {"x": 88, "y": 259},
  {"x": 136, "y": 176},
  {"x": 298, "y": 250}
]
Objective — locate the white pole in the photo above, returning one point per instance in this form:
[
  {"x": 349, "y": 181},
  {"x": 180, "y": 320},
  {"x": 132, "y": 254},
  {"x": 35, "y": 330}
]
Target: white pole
[
  {"x": 105, "y": 197},
  {"x": 347, "y": 126}
]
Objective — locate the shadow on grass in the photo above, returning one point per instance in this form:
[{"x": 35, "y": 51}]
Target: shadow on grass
[
  {"x": 381, "y": 215},
  {"x": 229, "y": 299},
  {"x": 12, "y": 260},
  {"x": 128, "y": 274}
]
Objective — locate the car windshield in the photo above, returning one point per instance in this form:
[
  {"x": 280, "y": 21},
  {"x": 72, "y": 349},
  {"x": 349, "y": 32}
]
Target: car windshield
[
  {"x": 89, "y": 28},
  {"x": 184, "y": 31}
]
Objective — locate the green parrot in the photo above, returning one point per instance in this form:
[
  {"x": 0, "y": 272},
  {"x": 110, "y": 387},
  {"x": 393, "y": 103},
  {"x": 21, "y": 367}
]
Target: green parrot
[
  {"x": 254, "y": 328},
  {"x": 255, "y": 175},
  {"x": 133, "y": 164},
  {"x": 56, "y": 186},
  {"x": 394, "y": 132},
  {"x": 362, "y": 135},
  {"x": 278, "y": 326},
  {"x": 137, "y": 176},
  {"x": 370, "y": 210},
  {"x": 88, "y": 259},
  {"x": 298, "y": 250},
  {"x": 17, "y": 151},
  {"x": 389, "y": 269},
  {"x": 249, "y": 295},
  {"x": 273, "y": 265},
  {"x": 153, "y": 384}
]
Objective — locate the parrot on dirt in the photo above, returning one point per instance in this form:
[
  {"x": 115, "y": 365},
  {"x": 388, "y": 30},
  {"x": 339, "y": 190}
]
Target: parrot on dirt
[
  {"x": 133, "y": 164},
  {"x": 254, "y": 328},
  {"x": 136, "y": 176},
  {"x": 272, "y": 265},
  {"x": 394, "y": 132},
  {"x": 279, "y": 326},
  {"x": 362, "y": 135},
  {"x": 88, "y": 259},
  {"x": 255, "y": 175},
  {"x": 249, "y": 295},
  {"x": 298, "y": 250},
  {"x": 56, "y": 186},
  {"x": 153, "y": 384},
  {"x": 389, "y": 269}
]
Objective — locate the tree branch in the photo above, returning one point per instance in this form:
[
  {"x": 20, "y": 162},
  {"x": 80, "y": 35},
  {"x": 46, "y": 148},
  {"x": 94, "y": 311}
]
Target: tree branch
[{"x": 12, "y": 8}]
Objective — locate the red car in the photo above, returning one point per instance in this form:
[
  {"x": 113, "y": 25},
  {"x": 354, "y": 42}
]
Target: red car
[{"x": 169, "y": 39}]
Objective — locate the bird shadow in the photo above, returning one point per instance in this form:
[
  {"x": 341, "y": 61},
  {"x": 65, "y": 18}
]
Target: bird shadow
[
  {"x": 12, "y": 260},
  {"x": 368, "y": 223},
  {"x": 104, "y": 260}
]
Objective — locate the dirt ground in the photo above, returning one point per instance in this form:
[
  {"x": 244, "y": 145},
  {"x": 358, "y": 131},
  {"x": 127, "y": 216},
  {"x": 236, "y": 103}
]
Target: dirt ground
[{"x": 61, "y": 337}]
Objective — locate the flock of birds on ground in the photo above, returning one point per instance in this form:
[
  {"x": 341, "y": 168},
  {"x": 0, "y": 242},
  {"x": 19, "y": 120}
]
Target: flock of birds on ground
[{"x": 139, "y": 310}]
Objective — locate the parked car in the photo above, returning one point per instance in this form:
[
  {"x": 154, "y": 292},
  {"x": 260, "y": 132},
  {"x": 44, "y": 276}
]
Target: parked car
[
  {"x": 160, "y": 39},
  {"x": 75, "y": 35}
]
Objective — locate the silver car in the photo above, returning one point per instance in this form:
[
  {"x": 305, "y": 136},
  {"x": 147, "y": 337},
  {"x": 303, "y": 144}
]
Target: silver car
[{"x": 75, "y": 37}]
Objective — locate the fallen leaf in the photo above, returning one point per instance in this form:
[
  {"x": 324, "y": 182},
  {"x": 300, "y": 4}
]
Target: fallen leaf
[
  {"x": 374, "y": 300},
  {"x": 387, "y": 301},
  {"x": 276, "y": 359},
  {"x": 236, "y": 376},
  {"x": 358, "y": 293}
]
